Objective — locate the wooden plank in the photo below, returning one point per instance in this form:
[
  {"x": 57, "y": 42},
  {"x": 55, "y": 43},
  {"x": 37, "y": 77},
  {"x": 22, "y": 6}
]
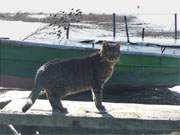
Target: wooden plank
[{"x": 119, "y": 116}]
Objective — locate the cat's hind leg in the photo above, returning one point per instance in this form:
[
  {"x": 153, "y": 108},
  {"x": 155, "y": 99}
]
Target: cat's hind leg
[{"x": 56, "y": 104}]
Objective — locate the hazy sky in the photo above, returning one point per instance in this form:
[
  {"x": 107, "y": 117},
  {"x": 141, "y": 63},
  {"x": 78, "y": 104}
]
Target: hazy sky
[{"x": 97, "y": 6}]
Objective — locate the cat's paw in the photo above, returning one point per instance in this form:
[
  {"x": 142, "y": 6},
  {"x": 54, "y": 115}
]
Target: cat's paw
[
  {"x": 64, "y": 110},
  {"x": 60, "y": 110},
  {"x": 55, "y": 111},
  {"x": 101, "y": 108}
]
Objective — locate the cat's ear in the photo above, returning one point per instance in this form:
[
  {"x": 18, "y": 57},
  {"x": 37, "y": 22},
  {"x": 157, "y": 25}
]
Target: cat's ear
[
  {"x": 117, "y": 46},
  {"x": 105, "y": 45}
]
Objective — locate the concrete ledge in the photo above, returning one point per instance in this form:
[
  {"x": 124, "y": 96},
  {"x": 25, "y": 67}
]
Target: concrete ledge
[
  {"x": 129, "y": 117},
  {"x": 8, "y": 96}
]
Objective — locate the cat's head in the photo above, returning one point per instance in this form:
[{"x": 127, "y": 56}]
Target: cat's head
[{"x": 110, "y": 52}]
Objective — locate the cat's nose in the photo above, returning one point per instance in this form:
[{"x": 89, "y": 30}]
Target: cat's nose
[{"x": 112, "y": 58}]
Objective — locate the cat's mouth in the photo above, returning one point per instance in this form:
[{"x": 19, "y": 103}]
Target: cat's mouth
[{"x": 112, "y": 59}]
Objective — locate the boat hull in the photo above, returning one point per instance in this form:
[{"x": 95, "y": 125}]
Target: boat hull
[{"x": 20, "y": 61}]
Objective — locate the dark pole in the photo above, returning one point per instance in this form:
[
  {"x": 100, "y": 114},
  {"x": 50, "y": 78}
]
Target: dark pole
[
  {"x": 143, "y": 34},
  {"x": 114, "y": 25},
  {"x": 175, "y": 25},
  {"x": 67, "y": 31},
  {"x": 127, "y": 33}
]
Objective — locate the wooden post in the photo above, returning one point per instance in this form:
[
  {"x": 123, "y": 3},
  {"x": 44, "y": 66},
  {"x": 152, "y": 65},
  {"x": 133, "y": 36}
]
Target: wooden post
[
  {"x": 114, "y": 25},
  {"x": 126, "y": 26},
  {"x": 175, "y": 26},
  {"x": 93, "y": 45},
  {"x": 143, "y": 34},
  {"x": 67, "y": 31}
]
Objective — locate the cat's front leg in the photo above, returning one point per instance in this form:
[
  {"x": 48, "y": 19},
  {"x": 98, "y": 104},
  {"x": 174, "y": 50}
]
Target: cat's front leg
[{"x": 97, "y": 93}]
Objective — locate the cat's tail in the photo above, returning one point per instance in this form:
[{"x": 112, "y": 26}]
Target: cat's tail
[{"x": 31, "y": 99}]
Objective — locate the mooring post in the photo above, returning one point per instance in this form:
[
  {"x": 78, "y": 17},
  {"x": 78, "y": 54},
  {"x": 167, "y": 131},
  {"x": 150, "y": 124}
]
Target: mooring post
[
  {"x": 143, "y": 34},
  {"x": 175, "y": 26},
  {"x": 67, "y": 31},
  {"x": 114, "y": 26},
  {"x": 126, "y": 26}
]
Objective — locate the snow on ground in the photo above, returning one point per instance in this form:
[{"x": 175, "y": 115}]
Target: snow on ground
[
  {"x": 17, "y": 29},
  {"x": 159, "y": 21},
  {"x": 38, "y": 16}
]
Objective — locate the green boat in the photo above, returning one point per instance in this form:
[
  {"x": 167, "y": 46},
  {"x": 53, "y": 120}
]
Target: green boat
[{"x": 140, "y": 64}]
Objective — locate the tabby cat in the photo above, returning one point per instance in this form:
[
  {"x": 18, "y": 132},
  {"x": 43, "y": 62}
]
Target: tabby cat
[{"x": 61, "y": 78}]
